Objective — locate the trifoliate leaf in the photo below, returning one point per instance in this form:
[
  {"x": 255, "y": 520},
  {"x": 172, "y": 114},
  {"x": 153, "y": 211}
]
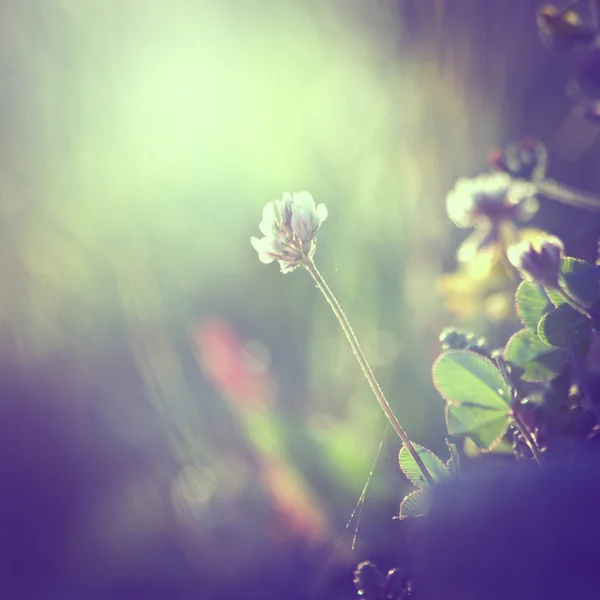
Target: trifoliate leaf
[
  {"x": 478, "y": 396},
  {"x": 555, "y": 296},
  {"x": 573, "y": 277},
  {"x": 532, "y": 304},
  {"x": 471, "y": 449},
  {"x": 484, "y": 426},
  {"x": 416, "y": 504},
  {"x": 464, "y": 377},
  {"x": 537, "y": 360},
  {"x": 437, "y": 469},
  {"x": 564, "y": 326}
]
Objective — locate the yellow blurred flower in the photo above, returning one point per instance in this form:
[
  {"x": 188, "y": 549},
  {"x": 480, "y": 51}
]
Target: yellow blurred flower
[{"x": 484, "y": 283}]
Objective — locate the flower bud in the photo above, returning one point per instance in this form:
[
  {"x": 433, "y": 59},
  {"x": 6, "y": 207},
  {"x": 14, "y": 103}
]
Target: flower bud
[
  {"x": 519, "y": 159},
  {"x": 368, "y": 580},
  {"x": 563, "y": 29},
  {"x": 539, "y": 262}
]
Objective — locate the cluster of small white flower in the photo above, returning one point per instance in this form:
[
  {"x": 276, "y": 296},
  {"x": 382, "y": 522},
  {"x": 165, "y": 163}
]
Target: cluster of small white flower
[
  {"x": 289, "y": 227},
  {"x": 487, "y": 202},
  {"x": 492, "y": 203},
  {"x": 490, "y": 197}
]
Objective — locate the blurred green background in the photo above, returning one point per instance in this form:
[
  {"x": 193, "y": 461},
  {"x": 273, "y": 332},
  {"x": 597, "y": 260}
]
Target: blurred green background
[{"x": 140, "y": 143}]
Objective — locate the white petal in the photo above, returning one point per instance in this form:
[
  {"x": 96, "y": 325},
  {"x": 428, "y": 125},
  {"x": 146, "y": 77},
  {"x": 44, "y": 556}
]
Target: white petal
[
  {"x": 300, "y": 225},
  {"x": 322, "y": 212},
  {"x": 527, "y": 208},
  {"x": 468, "y": 250},
  {"x": 267, "y": 228},
  {"x": 313, "y": 223},
  {"x": 263, "y": 247},
  {"x": 269, "y": 214},
  {"x": 265, "y": 258},
  {"x": 516, "y": 252},
  {"x": 306, "y": 201},
  {"x": 521, "y": 189},
  {"x": 460, "y": 204},
  {"x": 257, "y": 243},
  {"x": 270, "y": 217}
]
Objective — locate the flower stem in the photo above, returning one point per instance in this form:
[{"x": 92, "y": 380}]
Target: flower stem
[
  {"x": 582, "y": 383},
  {"x": 501, "y": 364},
  {"x": 561, "y": 193},
  {"x": 539, "y": 173},
  {"x": 362, "y": 361},
  {"x": 528, "y": 439}
]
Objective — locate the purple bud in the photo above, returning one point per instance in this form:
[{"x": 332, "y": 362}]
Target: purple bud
[{"x": 538, "y": 261}]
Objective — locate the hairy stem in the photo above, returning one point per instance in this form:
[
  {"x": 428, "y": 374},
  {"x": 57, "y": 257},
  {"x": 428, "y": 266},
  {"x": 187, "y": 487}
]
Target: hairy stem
[
  {"x": 582, "y": 383},
  {"x": 364, "y": 365},
  {"x": 528, "y": 439},
  {"x": 561, "y": 193},
  {"x": 501, "y": 364},
  {"x": 539, "y": 173}
]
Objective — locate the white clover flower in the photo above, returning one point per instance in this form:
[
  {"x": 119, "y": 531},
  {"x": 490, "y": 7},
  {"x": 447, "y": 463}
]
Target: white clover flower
[
  {"x": 289, "y": 227},
  {"x": 538, "y": 261},
  {"x": 490, "y": 197},
  {"x": 491, "y": 203}
]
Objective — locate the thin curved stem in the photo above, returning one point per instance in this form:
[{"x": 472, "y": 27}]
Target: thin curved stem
[
  {"x": 366, "y": 369},
  {"x": 582, "y": 382},
  {"x": 539, "y": 173},
  {"x": 529, "y": 440},
  {"x": 501, "y": 364},
  {"x": 566, "y": 195}
]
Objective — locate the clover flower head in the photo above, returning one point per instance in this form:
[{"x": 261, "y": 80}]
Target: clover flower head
[
  {"x": 490, "y": 198},
  {"x": 538, "y": 261},
  {"x": 289, "y": 227},
  {"x": 525, "y": 159},
  {"x": 563, "y": 28}
]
